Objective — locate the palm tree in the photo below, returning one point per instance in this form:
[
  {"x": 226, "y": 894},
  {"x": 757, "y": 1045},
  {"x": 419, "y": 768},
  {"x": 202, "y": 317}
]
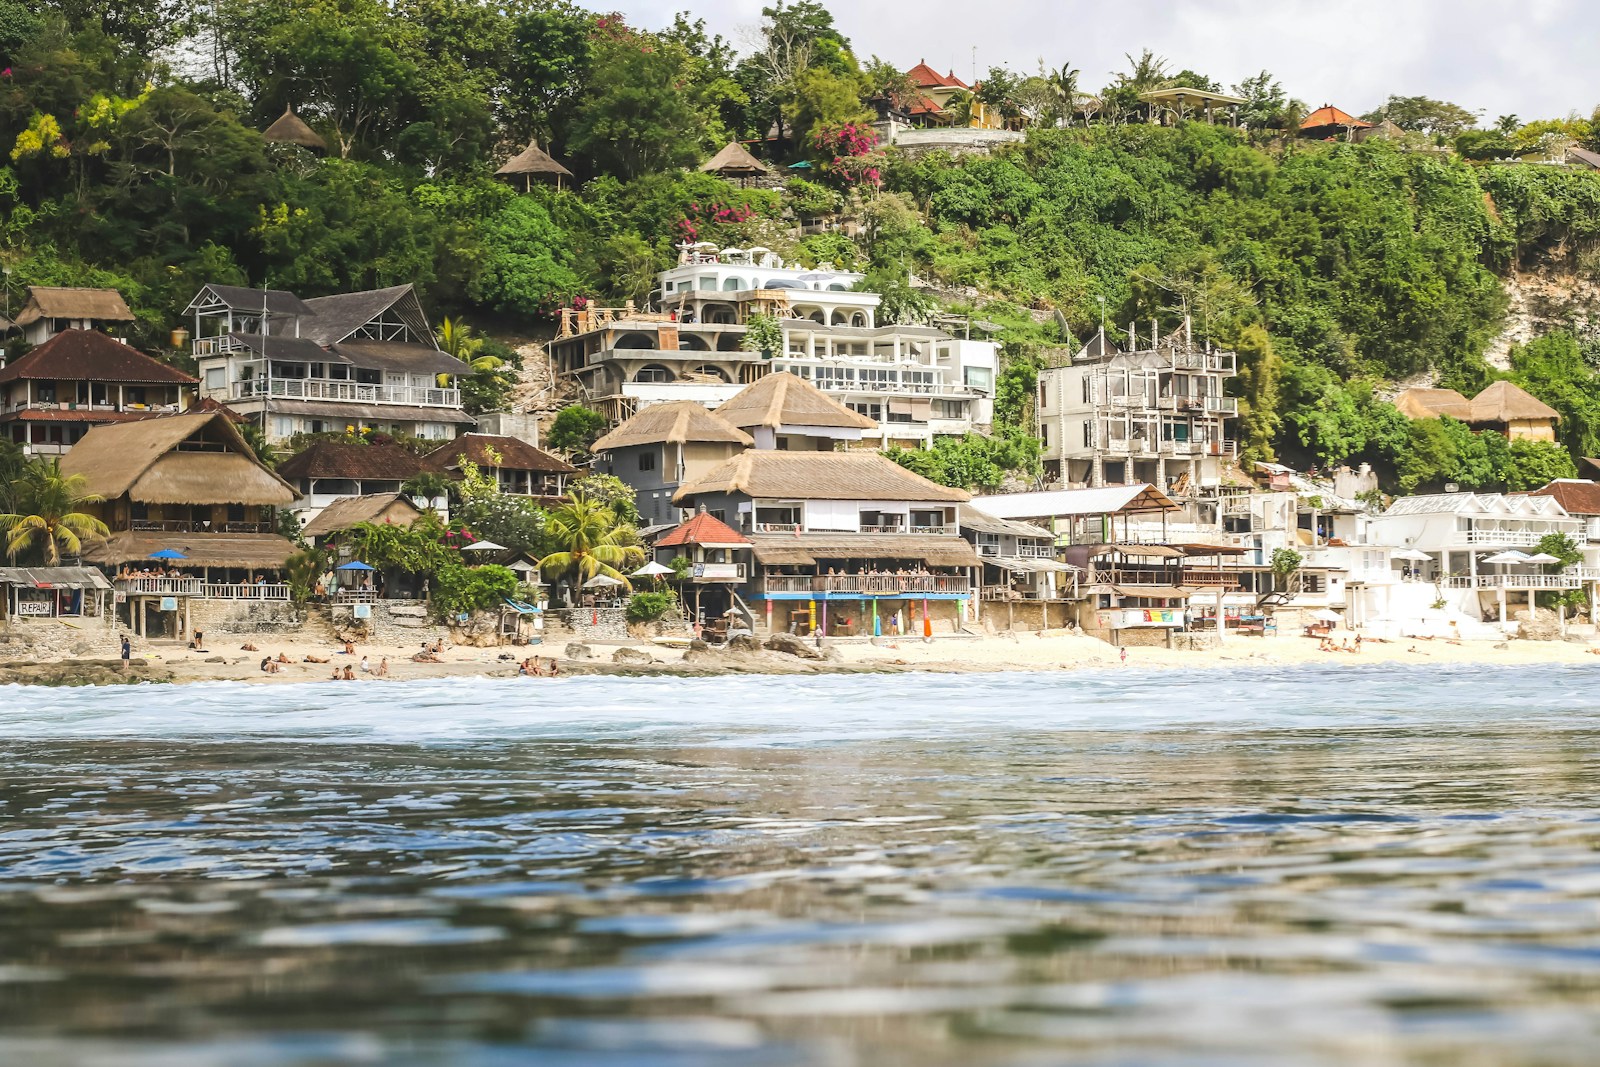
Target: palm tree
[
  {"x": 427, "y": 486},
  {"x": 1064, "y": 88},
  {"x": 592, "y": 542},
  {"x": 456, "y": 339},
  {"x": 47, "y": 504}
]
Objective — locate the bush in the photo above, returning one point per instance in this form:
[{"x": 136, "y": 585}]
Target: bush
[
  {"x": 575, "y": 429},
  {"x": 650, "y": 606},
  {"x": 458, "y": 590}
]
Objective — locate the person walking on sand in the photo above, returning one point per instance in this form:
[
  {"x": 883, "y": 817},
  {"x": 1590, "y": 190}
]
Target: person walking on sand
[{"x": 1123, "y": 655}]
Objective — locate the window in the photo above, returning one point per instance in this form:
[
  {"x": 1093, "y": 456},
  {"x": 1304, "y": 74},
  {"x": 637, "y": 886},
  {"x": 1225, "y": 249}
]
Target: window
[
  {"x": 1044, "y": 434},
  {"x": 870, "y": 410},
  {"x": 1312, "y": 582},
  {"x": 216, "y": 379},
  {"x": 647, "y": 460},
  {"x": 981, "y": 378},
  {"x": 949, "y": 409},
  {"x": 1088, "y": 434}
]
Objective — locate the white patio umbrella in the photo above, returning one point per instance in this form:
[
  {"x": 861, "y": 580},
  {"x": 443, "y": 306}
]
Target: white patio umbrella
[
  {"x": 1510, "y": 555},
  {"x": 1411, "y": 554},
  {"x": 601, "y": 581},
  {"x": 651, "y": 570},
  {"x": 1541, "y": 557},
  {"x": 483, "y": 546},
  {"x": 1325, "y": 615}
]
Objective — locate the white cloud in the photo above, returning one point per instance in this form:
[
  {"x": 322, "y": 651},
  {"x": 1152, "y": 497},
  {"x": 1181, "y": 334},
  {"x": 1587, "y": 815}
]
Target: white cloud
[{"x": 1529, "y": 57}]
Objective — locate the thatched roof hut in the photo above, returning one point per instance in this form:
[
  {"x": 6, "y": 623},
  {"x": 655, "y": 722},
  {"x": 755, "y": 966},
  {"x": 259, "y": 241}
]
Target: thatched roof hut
[
  {"x": 181, "y": 459},
  {"x": 735, "y": 161},
  {"x": 347, "y": 511},
  {"x": 532, "y": 164},
  {"x": 1421, "y": 402},
  {"x": 676, "y": 422},
  {"x": 817, "y": 476},
  {"x": 785, "y": 399},
  {"x": 1503, "y": 403},
  {"x": 290, "y": 129}
]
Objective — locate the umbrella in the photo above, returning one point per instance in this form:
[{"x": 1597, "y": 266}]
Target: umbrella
[
  {"x": 1324, "y": 615},
  {"x": 601, "y": 581},
  {"x": 168, "y": 553},
  {"x": 354, "y": 565},
  {"x": 1411, "y": 554},
  {"x": 1511, "y": 556},
  {"x": 483, "y": 546},
  {"x": 651, "y": 570},
  {"x": 1542, "y": 557}
]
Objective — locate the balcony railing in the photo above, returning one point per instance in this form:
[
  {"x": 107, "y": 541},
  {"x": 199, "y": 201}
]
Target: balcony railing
[
  {"x": 1481, "y": 536},
  {"x": 793, "y": 527},
  {"x": 1210, "y": 578},
  {"x": 868, "y": 584},
  {"x": 1218, "y": 362},
  {"x": 355, "y": 596},
  {"x": 1145, "y": 447},
  {"x": 354, "y": 392},
  {"x": 1514, "y": 581},
  {"x": 189, "y": 526},
  {"x": 73, "y": 405},
  {"x": 204, "y": 590}
]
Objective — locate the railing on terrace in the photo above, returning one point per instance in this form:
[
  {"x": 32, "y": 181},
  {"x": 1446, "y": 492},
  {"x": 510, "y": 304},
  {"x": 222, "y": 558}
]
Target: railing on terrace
[
  {"x": 1211, "y": 578},
  {"x": 213, "y": 346},
  {"x": 73, "y": 405},
  {"x": 355, "y": 392},
  {"x": 869, "y": 584},
  {"x": 793, "y": 527},
  {"x": 204, "y": 590},
  {"x": 189, "y": 526},
  {"x": 1221, "y": 362},
  {"x": 1161, "y": 576},
  {"x": 355, "y": 596},
  {"x": 1145, "y": 447},
  {"x": 1513, "y": 581},
  {"x": 1519, "y": 538}
]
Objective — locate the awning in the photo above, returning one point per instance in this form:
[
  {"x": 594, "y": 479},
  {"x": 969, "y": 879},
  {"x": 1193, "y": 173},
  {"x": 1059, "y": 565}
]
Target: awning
[
  {"x": 267, "y": 551},
  {"x": 935, "y": 550},
  {"x": 1153, "y": 592},
  {"x": 1029, "y": 564},
  {"x": 1213, "y": 550},
  {"x": 1151, "y": 551},
  {"x": 54, "y": 577}
]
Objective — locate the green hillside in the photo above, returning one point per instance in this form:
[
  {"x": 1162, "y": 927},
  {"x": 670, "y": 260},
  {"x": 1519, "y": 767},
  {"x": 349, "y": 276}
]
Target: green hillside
[{"x": 133, "y": 158}]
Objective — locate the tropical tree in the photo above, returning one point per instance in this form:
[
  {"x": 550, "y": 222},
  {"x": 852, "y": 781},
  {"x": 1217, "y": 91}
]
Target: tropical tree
[
  {"x": 592, "y": 542},
  {"x": 428, "y": 486},
  {"x": 48, "y": 516}
]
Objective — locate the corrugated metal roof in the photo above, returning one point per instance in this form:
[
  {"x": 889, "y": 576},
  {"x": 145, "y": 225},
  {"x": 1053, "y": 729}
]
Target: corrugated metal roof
[{"x": 54, "y": 577}]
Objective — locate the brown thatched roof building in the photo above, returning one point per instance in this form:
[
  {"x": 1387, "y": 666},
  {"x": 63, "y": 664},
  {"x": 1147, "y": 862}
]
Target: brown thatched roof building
[
  {"x": 519, "y": 467},
  {"x": 785, "y": 405},
  {"x": 348, "y": 511},
  {"x": 181, "y": 459},
  {"x": 290, "y": 129},
  {"x": 678, "y": 422},
  {"x": 530, "y": 165},
  {"x": 735, "y": 161},
  {"x": 52, "y": 309},
  {"x": 817, "y": 476},
  {"x": 1423, "y": 403},
  {"x": 1514, "y": 412}
]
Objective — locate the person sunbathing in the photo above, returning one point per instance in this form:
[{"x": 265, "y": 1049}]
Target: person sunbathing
[
  {"x": 425, "y": 657},
  {"x": 283, "y": 657},
  {"x": 316, "y": 659},
  {"x": 383, "y": 668},
  {"x": 248, "y": 647}
]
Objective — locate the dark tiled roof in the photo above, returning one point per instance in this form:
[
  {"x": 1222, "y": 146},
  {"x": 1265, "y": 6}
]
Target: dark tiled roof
[
  {"x": 1578, "y": 497},
  {"x": 340, "y": 315},
  {"x": 87, "y": 355},
  {"x": 379, "y": 461},
  {"x": 515, "y": 454},
  {"x": 277, "y": 301}
]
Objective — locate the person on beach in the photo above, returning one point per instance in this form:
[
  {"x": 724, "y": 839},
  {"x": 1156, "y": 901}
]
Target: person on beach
[
  {"x": 334, "y": 677},
  {"x": 554, "y": 670},
  {"x": 383, "y": 668},
  {"x": 1123, "y": 653},
  {"x": 349, "y": 674},
  {"x": 316, "y": 659},
  {"x": 366, "y": 668},
  {"x": 127, "y": 650},
  {"x": 349, "y": 648}
]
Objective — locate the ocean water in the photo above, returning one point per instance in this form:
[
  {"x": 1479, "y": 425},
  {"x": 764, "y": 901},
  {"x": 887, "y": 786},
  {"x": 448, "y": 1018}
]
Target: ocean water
[{"x": 1384, "y": 865}]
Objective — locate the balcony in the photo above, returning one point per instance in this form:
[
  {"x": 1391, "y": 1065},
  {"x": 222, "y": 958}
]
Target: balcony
[
  {"x": 1143, "y": 447},
  {"x": 73, "y": 405},
  {"x": 1513, "y": 581},
  {"x": 1520, "y": 538},
  {"x": 1215, "y": 362},
  {"x": 352, "y": 392},
  {"x": 869, "y": 584}
]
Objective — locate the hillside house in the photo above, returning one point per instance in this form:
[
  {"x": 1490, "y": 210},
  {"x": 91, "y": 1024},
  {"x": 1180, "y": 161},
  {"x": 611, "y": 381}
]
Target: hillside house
[
  {"x": 50, "y": 310},
  {"x": 661, "y": 448},
  {"x": 519, "y": 468},
  {"x": 329, "y": 470}
]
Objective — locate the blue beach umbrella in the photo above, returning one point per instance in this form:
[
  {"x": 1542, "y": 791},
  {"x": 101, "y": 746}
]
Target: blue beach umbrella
[
  {"x": 168, "y": 553},
  {"x": 354, "y": 565}
]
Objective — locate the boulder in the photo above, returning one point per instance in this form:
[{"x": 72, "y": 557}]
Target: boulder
[
  {"x": 1538, "y": 625},
  {"x": 743, "y": 643},
  {"x": 697, "y": 645},
  {"x": 632, "y": 655},
  {"x": 794, "y": 646},
  {"x": 579, "y": 650}
]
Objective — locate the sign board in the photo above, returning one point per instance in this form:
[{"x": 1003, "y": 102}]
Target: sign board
[
  {"x": 363, "y": 611},
  {"x": 1130, "y": 618},
  {"x": 35, "y": 607},
  {"x": 719, "y": 571},
  {"x": 169, "y": 603}
]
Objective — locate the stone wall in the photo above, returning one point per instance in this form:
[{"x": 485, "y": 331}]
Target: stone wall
[
  {"x": 56, "y": 639},
  {"x": 1029, "y": 615},
  {"x": 244, "y": 617},
  {"x": 593, "y": 624}
]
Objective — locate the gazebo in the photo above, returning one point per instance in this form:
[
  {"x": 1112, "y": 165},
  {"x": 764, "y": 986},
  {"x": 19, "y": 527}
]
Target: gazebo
[
  {"x": 735, "y": 162},
  {"x": 532, "y": 163},
  {"x": 1328, "y": 122},
  {"x": 290, "y": 129}
]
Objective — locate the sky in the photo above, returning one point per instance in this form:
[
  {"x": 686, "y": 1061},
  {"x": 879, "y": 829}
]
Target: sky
[{"x": 1532, "y": 58}]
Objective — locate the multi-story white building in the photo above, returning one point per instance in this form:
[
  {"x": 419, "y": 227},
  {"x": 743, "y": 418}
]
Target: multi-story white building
[
  {"x": 353, "y": 361},
  {"x": 917, "y": 382},
  {"x": 1109, "y": 417}
]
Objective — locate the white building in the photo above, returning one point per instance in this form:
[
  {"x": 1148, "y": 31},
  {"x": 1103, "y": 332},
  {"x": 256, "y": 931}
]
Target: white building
[{"x": 917, "y": 382}]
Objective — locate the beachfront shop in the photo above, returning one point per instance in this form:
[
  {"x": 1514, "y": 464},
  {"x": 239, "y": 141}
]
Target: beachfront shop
[
  {"x": 52, "y": 593},
  {"x": 853, "y": 585}
]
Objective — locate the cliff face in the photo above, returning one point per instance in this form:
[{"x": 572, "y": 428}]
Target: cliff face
[{"x": 1541, "y": 300}]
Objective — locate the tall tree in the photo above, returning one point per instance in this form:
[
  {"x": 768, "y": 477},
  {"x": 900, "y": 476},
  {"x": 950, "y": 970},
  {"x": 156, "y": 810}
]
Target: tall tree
[
  {"x": 636, "y": 116},
  {"x": 49, "y": 519}
]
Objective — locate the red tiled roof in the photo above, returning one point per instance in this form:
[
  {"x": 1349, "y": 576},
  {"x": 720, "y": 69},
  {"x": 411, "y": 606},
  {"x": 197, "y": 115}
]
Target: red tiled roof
[
  {"x": 379, "y": 461},
  {"x": 924, "y": 105},
  {"x": 926, "y": 77},
  {"x": 90, "y": 356},
  {"x": 1578, "y": 497},
  {"x": 1328, "y": 115},
  {"x": 515, "y": 454},
  {"x": 703, "y": 529}
]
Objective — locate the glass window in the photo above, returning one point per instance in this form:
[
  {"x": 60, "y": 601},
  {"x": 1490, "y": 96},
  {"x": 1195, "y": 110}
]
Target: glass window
[{"x": 647, "y": 460}]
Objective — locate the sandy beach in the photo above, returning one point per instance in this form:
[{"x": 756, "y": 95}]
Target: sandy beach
[{"x": 1050, "y": 651}]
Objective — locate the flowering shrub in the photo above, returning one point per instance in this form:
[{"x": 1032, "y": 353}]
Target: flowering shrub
[
  {"x": 701, "y": 215},
  {"x": 846, "y": 153}
]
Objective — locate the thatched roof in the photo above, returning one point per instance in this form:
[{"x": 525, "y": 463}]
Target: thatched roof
[
  {"x": 735, "y": 161},
  {"x": 818, "y": 476},
  {"x": 675, "y": 423},
  {"x": 91, "y": 356},
  {"x": 267, "y": 551},
  {"x": 785, "y": 399},
  {"x": 347, "y": 511},
  {"x": 179, "y": 459},
  {"x": 50, "y": 302},
  {"x": 1503, "y": 402},
  {"x": 289, "y": 129},
  {"x": 379, "y": 461},
  {"x": 533, "y": 161},
  {"x": 1423, "y": 403}
]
